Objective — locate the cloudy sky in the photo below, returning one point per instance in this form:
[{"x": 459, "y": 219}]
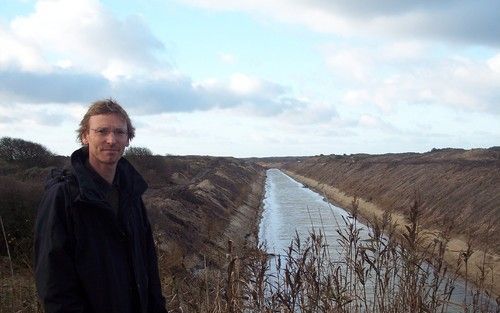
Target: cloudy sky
[{"x": 256, "y": 77}]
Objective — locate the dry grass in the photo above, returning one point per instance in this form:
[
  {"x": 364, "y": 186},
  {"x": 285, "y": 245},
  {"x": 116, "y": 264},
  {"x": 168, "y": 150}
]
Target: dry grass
[
  {"x": 455, "y": 246},
  {"x": 400, "y": 268},
  {"x": 391, "y": 271}
]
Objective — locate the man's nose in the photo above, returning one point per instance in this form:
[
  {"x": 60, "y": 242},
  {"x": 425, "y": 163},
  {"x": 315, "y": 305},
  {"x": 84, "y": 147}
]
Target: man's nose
[{"x": 111, "y": 138}]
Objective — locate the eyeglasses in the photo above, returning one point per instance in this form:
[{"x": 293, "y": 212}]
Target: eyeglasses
[{"x": 104, "y": 131}]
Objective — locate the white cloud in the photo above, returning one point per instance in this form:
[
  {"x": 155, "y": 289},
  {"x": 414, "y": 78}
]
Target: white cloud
[
  {"x": 437, "y": 89},
  {"x": 26, "y": 115},
  {"x": 356, "y": 97},
  {"x": 368, "y": 121},
  {"x": 64, "y": 64},
  {"x": 392, "y": 75},
  {"x": 244, "y": 84},
  {"x": 312, "y": 16},
  {"x": 228, "y": 58},
  {"x": 403, "y": 50},
  {"x": 310, "y": 112},
  {"x": 392, "y": 53},
  {"x": 82, "y": 33},
  {"x": 350, "y": 63},
  {"x": 148, "y": 95},
  {"x": 494, "y": 63},
  {"x": 374, "y": 122},
  {"x": 16, "y": 53},
  {"x": 87, "y": 53},
  {"x": 443, "y": 20}
]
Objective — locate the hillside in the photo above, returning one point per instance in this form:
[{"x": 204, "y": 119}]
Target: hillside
[
  {"x": 196, "y": 205},
  {"x": 458, "y": 192},
  {"x": 203, "y": 203},
  {"x": 461, "y": 187},
  {"x": 205, "y": 212}
]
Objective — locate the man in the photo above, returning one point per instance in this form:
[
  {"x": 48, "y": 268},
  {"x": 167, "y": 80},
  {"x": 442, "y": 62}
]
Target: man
[{"x": 94, "y": 250}]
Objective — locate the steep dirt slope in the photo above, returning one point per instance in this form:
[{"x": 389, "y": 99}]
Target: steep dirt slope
[
  {"x": 201, "y": 204},
  {"x": 455, "y": 186},
  {"x": 196, "y": 205}
]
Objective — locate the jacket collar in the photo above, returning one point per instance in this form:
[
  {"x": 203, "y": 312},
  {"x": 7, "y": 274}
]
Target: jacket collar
[{"x": 131, "y": 182}]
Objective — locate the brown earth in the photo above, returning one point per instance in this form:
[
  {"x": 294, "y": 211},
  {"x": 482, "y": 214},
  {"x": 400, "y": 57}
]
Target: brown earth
[
  {"x": 456, "y": 188},
  {"x": 201, "y": 205},
  {"x": 196, "y": 205}
]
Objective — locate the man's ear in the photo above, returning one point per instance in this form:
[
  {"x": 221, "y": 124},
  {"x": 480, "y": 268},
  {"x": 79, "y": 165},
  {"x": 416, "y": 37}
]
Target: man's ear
[{"x": 85, "y": 141}]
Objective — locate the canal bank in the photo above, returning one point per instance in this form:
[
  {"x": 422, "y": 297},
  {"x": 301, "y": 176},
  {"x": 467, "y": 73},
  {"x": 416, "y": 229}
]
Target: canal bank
[
  {"x": 243, "y": 226},
  {"x": 292, "y": 210},
  {"x": 455, "y": 249}
]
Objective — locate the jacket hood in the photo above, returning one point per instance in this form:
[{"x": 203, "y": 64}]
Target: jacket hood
[{"x": 131, "y": 182}]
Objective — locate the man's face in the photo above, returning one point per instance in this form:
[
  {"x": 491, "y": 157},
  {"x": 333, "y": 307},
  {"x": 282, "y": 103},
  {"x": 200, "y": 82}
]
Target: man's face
[{"x": 106, "y": 138}]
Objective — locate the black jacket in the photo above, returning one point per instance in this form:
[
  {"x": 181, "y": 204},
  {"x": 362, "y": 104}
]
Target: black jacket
[{"x": 88, "y": 258}]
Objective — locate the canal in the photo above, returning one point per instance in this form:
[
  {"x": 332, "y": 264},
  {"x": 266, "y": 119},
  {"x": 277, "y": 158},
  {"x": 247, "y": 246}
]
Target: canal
[{"x": 291, "y": 209}]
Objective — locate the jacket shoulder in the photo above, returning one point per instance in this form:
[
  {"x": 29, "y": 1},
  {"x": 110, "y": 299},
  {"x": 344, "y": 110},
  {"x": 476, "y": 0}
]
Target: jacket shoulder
[
  {"x": 56, "y": 204},
  {"x": 61, "y": 181}
]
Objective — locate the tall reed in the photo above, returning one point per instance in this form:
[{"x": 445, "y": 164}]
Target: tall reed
[{"x": 385, "y": 272}]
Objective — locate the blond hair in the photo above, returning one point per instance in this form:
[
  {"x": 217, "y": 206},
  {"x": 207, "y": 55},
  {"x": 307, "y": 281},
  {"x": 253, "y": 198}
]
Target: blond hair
[{"x": 106, "y": 106}]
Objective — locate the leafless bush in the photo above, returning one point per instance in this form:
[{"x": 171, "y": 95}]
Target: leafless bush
[
  {"x": 24, "y": 153},
  {"x": 18, "y": 201}
]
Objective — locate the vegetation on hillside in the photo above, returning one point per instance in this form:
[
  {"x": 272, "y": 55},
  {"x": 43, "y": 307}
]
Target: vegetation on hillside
[
  {"x": 23, "y": 166},
  {"x": 385, "y": 273},
  {"x": 207, "y": 250},
  {"x": 191, "y": 202},
  {"x": 456, "y": 185}
]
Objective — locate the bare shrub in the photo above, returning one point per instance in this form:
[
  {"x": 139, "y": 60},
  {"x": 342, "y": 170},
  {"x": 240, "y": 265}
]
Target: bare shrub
[
  {"x": 152, "y": 167},
  {"x": 18, "y": 201},
  {"x": 24, "y": 153}
]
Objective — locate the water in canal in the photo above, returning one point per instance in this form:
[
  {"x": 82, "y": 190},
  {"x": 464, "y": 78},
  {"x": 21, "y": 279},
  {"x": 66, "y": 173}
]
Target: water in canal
[{"x": 290, "y": 208}]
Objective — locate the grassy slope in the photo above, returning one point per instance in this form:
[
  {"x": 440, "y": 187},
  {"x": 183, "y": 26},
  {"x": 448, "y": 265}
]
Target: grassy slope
[{"x": 457, "y": 188}]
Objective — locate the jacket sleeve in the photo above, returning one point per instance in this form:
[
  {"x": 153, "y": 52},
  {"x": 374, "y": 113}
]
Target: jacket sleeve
[
  {"x": 156, "y": 299},
  {"x": 55, "y": 273}
]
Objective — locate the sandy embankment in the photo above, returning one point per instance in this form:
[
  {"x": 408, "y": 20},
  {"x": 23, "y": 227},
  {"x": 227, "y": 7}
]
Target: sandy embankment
[
  {"x": 244, "y": 222},
  {"x": 371, "y": 211}
]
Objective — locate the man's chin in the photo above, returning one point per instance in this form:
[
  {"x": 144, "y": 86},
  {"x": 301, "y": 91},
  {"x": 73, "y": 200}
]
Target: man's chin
[
  {"x": 112, "y": 154},
  {"x": 111, "y": 160}
]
